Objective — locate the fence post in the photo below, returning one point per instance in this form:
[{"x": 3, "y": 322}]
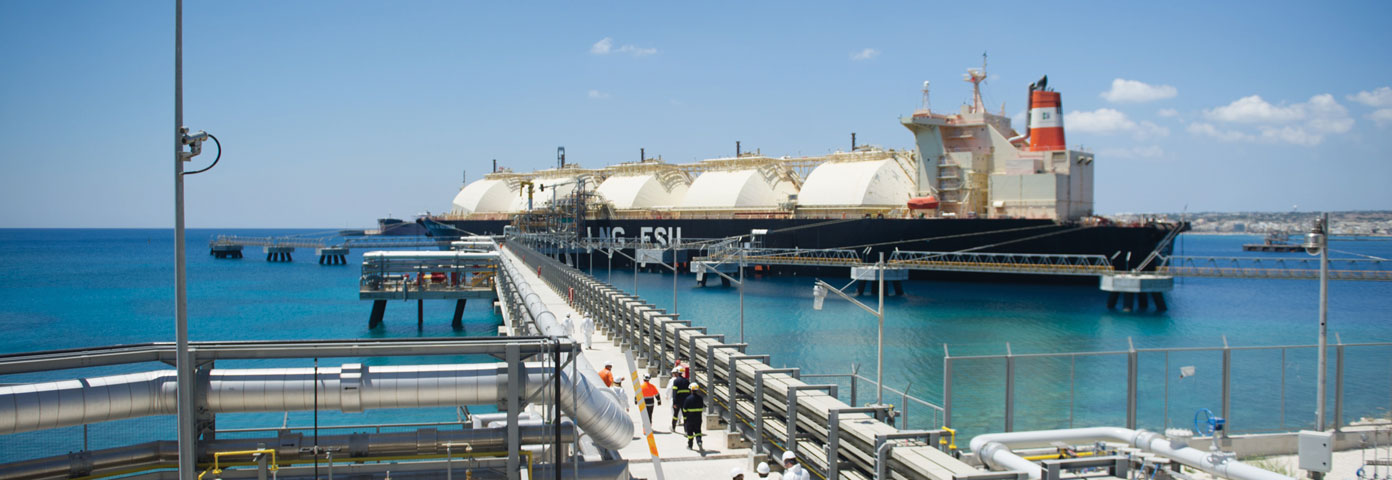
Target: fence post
[
  {"x": 855, "y": 372},
  {"x": 1131, "y": 380},
  {"x": 1338, "y": 382},
  {"x": 1009, "y": 389},
  {"x": 947, "y": 387},
  {"x": 1227, "y": 384},
  {"x": 905, "y": 400}
]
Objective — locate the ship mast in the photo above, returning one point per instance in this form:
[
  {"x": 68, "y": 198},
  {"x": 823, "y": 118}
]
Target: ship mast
[{"x": 976, "y": 76}]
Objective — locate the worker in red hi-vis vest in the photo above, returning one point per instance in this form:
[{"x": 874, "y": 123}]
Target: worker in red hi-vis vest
[{"x": 650, "y": 396}]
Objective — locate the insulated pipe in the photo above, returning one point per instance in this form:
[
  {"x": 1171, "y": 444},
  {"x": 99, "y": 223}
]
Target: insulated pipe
[
  {"x": 360, "y": 445},
  {"x": 599, "y": 413},
  {"x": 350, "y": 388},
  {"x": 994, "y": 450}
]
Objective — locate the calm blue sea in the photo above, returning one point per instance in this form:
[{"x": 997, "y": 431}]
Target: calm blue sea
[{"x": 71, "y": 288}]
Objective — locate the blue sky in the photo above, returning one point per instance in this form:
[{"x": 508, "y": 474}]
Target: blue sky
[{"x": 336, "y": 113}]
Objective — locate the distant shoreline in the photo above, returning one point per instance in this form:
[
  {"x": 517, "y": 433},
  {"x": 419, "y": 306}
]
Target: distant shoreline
[{"x": 1256, "y": 234}]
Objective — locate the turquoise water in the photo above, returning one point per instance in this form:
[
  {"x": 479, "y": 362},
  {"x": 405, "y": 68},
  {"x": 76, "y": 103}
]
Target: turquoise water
[{"x": 75, "y": 288}]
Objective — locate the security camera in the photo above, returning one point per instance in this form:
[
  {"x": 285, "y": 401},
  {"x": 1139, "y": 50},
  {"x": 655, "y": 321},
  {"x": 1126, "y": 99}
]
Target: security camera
[
  {"x": 1313, "y": 241},
  {"x": 195, "y": 137},
  {"x": 194, "y": 141}
]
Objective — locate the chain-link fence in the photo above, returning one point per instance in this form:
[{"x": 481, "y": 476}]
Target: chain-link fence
[{"x": 1256, "y": 388}]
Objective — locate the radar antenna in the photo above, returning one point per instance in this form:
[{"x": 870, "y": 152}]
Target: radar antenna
[
  {"x": 927, "y": 106},
  {"x": 976, "y": 76}
]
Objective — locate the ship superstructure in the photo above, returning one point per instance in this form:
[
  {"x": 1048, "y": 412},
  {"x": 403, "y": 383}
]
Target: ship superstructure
[{"x": 977, "y": 165}]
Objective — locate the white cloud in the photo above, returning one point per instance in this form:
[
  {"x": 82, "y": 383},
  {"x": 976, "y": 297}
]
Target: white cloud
[
  {"x": 1252, "y": 109},
  {"x": 598, "y": 95},
  {"x": 1134, "y": 91},
  {"x": 606, "y": 46},
  {"x": 1148, "y": 151},
  {"x": 1382, "y": 97},
  {"x": 1209, "y": 130},
  {"x": 637, "y": 51},
  {"x": 1305, "y": 123},
  {"x": 1168, "y": 113},
  {"x": 1106, "y": 121},
  {"x": 1382, "y": 116},
  {"x": 602, "y": 47},
  {"x": 866, "y": 54}
]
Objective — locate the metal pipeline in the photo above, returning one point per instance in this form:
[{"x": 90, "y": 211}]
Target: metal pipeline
[
  {"x": 288, "y": 446},
  {"x": 350, "y": 388},
  {"x": 994, "y": 450},
  {"x": 599, "y": 412}
]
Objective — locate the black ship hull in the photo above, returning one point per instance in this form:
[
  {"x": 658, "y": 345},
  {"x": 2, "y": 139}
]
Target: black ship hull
[{"x": 1127, "y": 246}]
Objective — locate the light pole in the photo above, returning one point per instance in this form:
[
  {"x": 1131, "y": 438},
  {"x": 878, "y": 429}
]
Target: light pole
[
  {"x": 183, "y": 365},
  {"x": 741, "y": 292},
  {"x": 819, "y": 292},
  {"x": 1317, "y": 242},
  {"x": 675, "y": 273},
  {"x": 704, "y": 269}
]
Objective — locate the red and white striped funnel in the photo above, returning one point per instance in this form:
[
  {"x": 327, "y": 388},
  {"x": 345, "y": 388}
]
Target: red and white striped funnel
[{"x": 1046, "y": 121}]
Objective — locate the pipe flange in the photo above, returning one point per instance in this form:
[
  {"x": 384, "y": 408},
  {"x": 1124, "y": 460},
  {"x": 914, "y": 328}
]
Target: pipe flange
[
  {"x": 350, "y": 382},
  {"x": 988, "y": 451}
]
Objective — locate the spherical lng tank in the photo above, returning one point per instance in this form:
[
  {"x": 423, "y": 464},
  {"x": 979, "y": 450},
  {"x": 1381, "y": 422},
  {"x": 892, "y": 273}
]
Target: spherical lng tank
[
  {"x": 486, "y": 195},
  {"x": 882, "y": 183},
  {"x": 762, "y": 187},
  {"x": 644, "y": 186}
]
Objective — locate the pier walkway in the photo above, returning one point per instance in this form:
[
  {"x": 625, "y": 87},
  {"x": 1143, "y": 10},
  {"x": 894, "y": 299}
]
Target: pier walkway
[
  {"x": 678, "y": 462},
  {"x": 771, "y": 409}
]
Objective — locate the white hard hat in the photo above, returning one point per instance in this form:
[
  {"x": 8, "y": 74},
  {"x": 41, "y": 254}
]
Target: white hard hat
[
  {"x": 735, "y": 472},
  {"x": 694, "y": 386},
  {"x": 676, "y": 369},
  {"x": 762, "y": 469},
  {"x": 608, "y": 363},
  {"x": 789, "y": 456}
]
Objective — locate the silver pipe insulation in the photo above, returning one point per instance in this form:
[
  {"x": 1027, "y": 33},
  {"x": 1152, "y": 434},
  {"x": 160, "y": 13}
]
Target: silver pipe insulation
[
  {"x": 288, "y": 448},
  {"x": 599, "y": 412},
  {"x": 350, "y": 388},
  {"x": 994, "y": 451}
]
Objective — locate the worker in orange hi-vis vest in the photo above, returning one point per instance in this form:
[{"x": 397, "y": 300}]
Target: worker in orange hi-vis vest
[
  {"x": 650, "y": 396},
  {"x": 607, "y": 374}
]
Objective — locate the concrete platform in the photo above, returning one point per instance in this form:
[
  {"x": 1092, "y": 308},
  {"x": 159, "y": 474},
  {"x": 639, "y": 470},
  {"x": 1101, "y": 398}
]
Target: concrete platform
[{"x": 677, "y": 461}]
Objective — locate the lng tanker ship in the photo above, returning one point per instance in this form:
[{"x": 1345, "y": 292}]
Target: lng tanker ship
[{"x": 972, "y": 182}]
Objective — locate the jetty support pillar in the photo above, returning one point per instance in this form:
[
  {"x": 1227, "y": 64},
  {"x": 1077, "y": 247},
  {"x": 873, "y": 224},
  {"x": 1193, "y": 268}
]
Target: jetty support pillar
[
  {"x": 458, "y": 323},
  {"x": 278, "y": 254},
  {"x": 1132, "y": 285},
  {"x": 379, "y": 308},
  {"x": 332, "y": 255}
]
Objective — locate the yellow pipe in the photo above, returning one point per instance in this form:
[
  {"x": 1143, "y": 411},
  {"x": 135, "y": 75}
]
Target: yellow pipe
[
  {"x": 217, "y": 457},
  {"x": 1058, "y": 455},
  {"x": 531, "y": 461}
]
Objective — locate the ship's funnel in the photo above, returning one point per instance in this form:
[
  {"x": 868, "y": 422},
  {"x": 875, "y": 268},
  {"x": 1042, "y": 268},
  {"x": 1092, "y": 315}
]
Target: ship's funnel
[{"x": 1045, "y": 120}]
